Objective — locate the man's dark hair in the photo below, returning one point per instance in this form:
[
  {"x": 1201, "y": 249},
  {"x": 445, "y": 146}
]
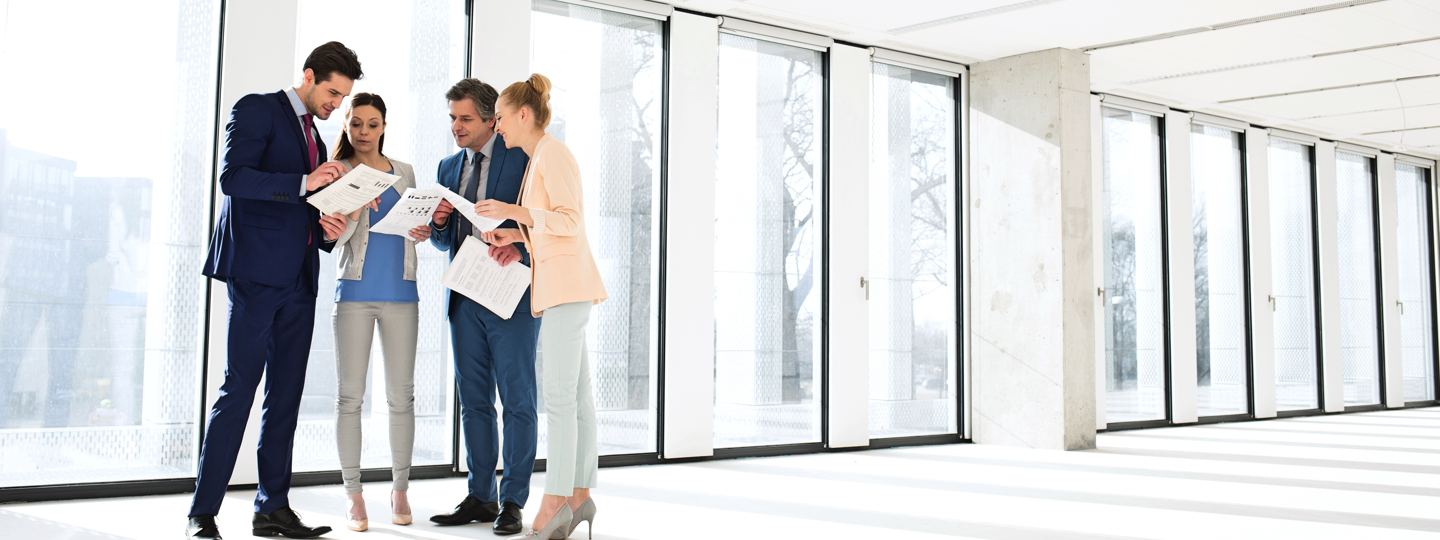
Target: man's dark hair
[
  {"x": 331, "y": 58},
  {"x": 479, "y": 93}
]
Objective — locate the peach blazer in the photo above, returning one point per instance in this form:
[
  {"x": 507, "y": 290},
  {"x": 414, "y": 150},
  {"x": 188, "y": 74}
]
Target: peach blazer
[{"x": 562, "y": 267}]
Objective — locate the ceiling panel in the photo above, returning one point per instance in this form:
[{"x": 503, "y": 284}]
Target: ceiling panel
[
  {"x": 868, "y": 14},
  {"x": 1382, "y": 120}
]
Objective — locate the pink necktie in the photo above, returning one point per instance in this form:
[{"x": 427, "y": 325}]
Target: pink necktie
[{"x": 310, "y": 151}]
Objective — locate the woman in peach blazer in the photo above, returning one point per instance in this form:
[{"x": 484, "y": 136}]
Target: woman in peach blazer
[{"x": 564, "y": 285}]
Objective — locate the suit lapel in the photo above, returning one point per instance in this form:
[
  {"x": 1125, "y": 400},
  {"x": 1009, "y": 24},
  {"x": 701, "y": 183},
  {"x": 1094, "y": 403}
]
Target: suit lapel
[
  {"x": 298, "y": 128},
  {"x": 497, "y": 162}
]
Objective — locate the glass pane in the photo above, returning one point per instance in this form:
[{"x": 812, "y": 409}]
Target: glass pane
[
  {"x": 410, "y": 65},
  {"x": 1292, "y": 262},
  {"x": 1134, "y": 285},
  {"x": 767, "y": 244},
  {"x": 101, "y": 297},
  {"x": 912, "y": 241},
  {"x": 1359, "y": 304},
  {"x": 606, "y": 68},
  {"x": 1219, "y": 230},
  {"x": 1417, "y": 336}
]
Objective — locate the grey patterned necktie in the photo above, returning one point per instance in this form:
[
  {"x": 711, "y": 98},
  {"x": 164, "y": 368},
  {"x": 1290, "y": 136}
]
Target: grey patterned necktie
[{"x": 472, "y": 190}]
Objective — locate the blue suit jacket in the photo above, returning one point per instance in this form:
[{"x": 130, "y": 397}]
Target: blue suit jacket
[
  {"x": 266, "y": 230},
  {"x": 507, "y": 174}
]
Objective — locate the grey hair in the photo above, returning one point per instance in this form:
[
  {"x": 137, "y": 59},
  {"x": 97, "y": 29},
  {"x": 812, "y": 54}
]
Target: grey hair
[{"x": 481, "y": 94}]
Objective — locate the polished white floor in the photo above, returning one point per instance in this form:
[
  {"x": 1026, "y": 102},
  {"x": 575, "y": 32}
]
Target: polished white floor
[{"x": 1355, "y": 476}]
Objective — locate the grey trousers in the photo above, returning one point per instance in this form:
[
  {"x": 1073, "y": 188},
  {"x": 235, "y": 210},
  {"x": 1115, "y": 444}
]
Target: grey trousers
[
  {"x": 354, "y": 332},
  {"x": 572, "y": 444}
]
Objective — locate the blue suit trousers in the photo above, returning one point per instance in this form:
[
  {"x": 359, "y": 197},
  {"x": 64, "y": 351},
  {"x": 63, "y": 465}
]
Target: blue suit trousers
[
  {"x": 270, "y": 331},
  {"x": 494, "y": 354}
]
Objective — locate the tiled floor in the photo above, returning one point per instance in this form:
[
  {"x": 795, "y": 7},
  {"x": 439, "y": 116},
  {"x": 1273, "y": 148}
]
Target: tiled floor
[{"x": 1356, "y": 476}]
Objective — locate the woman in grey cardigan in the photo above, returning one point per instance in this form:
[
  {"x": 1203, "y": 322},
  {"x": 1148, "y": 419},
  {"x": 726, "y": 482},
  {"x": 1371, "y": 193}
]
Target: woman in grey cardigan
[{"x": 376, "y": 286}]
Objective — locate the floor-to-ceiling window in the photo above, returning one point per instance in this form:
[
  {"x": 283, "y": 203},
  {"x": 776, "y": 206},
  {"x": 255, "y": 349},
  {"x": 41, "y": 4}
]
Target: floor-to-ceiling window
[
  {"x": 912, "y": 253},
  {"x": 767, "y": 244},
  {"x": 1358, "y": 252},
  {"x": 102, "y": 237},
  {"x": 1221, "y": 336},
  {"x": 410, "y": 61},
  {"x": 1292, "y": 244},
  {"x": 1414, "y": 248},
  {"x": 606, "y": 67},
  {"x": 1133, "y": 270}
]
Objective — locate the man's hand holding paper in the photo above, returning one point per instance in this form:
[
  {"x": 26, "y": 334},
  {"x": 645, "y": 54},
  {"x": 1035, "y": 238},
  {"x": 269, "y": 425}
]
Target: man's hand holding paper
[{"x": 352, "y": 191}]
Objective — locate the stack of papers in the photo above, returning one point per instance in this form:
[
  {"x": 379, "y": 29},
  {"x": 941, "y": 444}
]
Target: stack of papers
[{"x": 477, "y": 276}]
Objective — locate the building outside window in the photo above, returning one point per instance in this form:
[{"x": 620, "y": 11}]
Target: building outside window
[
  {"x": 1217, "y": 199},
  {"x": 1134, "y": 330},
  {"x": 606, "y": 68},
  {"x": 767, "y": 244},
  {"x": 912, "y": 289},
  {"x": 1292, "y": 241},
  {"x": 102, "y": 239}
]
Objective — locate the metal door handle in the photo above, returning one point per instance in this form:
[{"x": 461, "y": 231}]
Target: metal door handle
[
  {"x": 1099, "y": 291},
  {"x": 1402, "y": 306},
  {"x": 1273, "y": 303},
  {"x": 865, "y": 285}
]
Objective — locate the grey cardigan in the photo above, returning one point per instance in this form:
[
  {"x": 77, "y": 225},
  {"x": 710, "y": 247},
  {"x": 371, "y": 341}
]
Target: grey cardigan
[{"x": 350, "y": 248}]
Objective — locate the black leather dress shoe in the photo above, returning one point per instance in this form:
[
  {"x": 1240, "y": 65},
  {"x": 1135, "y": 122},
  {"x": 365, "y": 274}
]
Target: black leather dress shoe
[
  {"x": 284, "y": 522},
  {"x": 470, "y": 509},
  {"x": 511, "y": 521},
  {"x": 202, "y": 528}
]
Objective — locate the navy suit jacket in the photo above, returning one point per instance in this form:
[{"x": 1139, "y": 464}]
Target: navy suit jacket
[
  {"x": 266, "y": 230},
  {"x": 507, "y": 174}
]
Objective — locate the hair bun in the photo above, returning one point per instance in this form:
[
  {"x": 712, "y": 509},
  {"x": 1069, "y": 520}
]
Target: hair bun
[{"x": 541, "y": 84}]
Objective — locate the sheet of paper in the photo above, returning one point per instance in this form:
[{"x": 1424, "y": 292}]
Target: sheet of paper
[
  {"x": 466, "y": 208},
  {"x": 412, "y": 210},
  {"x": 477, "y": 276},
  {"x": 357, "y": 188}
]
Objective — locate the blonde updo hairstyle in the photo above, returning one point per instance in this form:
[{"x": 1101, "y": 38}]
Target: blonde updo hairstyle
[{"x": 534, "y": 94}]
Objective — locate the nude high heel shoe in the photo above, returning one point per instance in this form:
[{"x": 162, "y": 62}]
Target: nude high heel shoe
[
  {"x": 396, "y": 517},
  {"x": 357, "y": 525},
  {"x": 585, "y": 513}
]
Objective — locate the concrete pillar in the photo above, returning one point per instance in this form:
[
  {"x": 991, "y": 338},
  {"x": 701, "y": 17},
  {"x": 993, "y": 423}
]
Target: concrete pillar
[{"x": 1032, "y": 266}]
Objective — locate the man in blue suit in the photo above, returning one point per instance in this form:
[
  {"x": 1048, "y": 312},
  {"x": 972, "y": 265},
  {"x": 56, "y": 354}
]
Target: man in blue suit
[
  {"x": 491, "y": 353},
  {"x": 266, "y": 250}
]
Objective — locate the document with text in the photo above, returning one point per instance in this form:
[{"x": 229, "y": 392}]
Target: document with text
[
  {"x": 476, "y": 275},
  {"x": 466, "y": 208},
  {"x": 357, "y": 188},
  {"x": 412, "y": 210}
]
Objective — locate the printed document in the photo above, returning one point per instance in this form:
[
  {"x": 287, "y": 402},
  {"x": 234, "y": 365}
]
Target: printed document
[
  {"x": 477, "y": 276},
  {"x": 466, "y": 208},
  {"x": 412, "y": 210},
  {"x": 357, "y": 188}
]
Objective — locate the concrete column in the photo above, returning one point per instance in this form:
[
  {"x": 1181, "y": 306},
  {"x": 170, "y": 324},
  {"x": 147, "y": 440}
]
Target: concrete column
[{"x": 1033, "y": 334}]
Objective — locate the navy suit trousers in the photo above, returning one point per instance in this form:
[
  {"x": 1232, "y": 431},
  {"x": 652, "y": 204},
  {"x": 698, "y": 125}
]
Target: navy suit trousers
[
  {"x": 493, "y": 354},
  {"x": 270, "y": 331}
]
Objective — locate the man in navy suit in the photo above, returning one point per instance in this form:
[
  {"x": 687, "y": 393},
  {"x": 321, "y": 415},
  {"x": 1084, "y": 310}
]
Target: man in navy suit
[
  {"x": 491, "y": 353},
  {"x": 266, "y": 250}
]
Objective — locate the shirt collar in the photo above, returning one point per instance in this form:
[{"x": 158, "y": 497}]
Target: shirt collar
[
  {"x": 295, "y": 102},
  {"x": 487, "y": 150}
]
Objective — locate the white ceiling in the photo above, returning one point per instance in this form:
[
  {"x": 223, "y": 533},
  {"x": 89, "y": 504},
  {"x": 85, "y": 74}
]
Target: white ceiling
[{"x": 1217, "y": 71}]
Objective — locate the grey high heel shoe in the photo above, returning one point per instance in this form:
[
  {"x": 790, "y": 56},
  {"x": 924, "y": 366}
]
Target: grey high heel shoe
[
  {"x": 554, "y": 529},
  {"x": 586, "y": 513}
]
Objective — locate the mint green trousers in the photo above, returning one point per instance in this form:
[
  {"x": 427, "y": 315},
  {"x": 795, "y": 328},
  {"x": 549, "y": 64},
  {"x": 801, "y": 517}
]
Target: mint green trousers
[{"x": 572, "y": 438}]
